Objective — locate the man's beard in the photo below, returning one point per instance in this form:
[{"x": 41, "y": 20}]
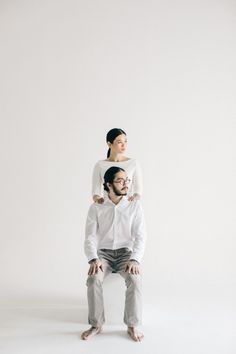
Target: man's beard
[{"x": 117, "y": 192}]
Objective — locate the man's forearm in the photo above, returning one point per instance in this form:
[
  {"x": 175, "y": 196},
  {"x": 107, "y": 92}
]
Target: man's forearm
[{"x": 90, "y": 242}]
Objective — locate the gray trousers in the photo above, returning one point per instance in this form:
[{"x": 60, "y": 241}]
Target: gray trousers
[{"x": 114, "y": 261}]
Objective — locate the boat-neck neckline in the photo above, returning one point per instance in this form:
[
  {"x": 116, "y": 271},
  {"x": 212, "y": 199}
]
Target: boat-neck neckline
[{"x": 117, "y": 161}]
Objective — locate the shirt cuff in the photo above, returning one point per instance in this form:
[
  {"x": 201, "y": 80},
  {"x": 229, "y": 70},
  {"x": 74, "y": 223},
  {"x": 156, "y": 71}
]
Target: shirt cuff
[
  {"x": 92, "y": 257},
  {"x": 135, "y": 260}
]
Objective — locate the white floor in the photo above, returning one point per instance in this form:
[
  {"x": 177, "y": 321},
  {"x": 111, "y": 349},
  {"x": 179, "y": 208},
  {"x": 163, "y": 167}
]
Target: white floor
[{"x": 171, "y": 325}]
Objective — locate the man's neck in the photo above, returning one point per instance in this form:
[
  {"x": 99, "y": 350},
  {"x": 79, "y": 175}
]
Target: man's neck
[{"x": 115, "y": 198}]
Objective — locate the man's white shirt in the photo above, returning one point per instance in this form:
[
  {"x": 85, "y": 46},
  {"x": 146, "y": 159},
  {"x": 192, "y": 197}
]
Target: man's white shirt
[{"x": 114, "y": 226}]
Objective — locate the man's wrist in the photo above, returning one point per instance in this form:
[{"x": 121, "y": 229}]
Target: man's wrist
[
  {"x": 134, "y": 260},
  {"x": 92, "y": 260}
]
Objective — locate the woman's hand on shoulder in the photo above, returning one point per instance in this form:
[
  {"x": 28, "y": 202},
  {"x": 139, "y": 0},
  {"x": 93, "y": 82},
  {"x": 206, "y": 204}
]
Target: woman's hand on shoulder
[
  {"x": 98, "y": 199},
  {"x": 135, "y": 196}
]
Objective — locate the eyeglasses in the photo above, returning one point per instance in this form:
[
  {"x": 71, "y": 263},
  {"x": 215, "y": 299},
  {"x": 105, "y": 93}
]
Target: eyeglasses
[{"x": 123, "y": 181}]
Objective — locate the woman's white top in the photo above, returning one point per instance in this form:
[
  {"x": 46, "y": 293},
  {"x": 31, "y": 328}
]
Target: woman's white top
[{"x": 132, "y": 169}]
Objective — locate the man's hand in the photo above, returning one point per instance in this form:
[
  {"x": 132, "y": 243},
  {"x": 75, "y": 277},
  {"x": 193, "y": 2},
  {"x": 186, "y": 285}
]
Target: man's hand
[
  {"x": 94, "y": 266},
  {"x": 132, "y": 267}
]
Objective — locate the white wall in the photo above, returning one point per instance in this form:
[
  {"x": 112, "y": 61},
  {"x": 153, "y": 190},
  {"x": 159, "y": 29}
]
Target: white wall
[{"x": 164, "y": 71}]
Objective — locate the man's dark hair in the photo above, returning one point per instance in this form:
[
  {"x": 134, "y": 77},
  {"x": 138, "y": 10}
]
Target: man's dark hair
[{"x": 110, "y": 176}]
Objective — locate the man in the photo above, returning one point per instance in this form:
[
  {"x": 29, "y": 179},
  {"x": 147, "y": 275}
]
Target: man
[{"x": 114, "y": 241}]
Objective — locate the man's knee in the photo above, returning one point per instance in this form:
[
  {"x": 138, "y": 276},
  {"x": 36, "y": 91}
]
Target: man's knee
[
  {"x": 134, "y": 280},
  {"x": 94, "y": 280}
]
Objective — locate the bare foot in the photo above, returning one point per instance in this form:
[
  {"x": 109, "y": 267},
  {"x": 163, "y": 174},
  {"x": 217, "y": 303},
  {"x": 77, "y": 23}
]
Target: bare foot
[
  {"x": 134, "y": 334},
  {"x": 91, "y": 332}
]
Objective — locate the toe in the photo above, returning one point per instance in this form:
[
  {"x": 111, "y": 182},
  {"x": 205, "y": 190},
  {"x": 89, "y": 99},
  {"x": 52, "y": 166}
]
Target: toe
[{"x": 140, "y": 337}]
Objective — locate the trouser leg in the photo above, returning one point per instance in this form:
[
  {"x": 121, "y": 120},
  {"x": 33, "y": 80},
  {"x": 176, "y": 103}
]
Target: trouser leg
[
  {"x": 133, "y": 294},
  {"x": 94, "y": 284},
  {"x": 133, "y": 299}
]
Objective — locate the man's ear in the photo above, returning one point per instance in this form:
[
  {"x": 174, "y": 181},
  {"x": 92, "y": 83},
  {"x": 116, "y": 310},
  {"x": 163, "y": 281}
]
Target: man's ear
[{"x": 109, "y": 185}]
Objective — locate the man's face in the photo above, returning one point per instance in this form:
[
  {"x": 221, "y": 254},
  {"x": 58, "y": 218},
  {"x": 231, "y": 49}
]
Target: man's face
[{"x": 118, "y": 185}]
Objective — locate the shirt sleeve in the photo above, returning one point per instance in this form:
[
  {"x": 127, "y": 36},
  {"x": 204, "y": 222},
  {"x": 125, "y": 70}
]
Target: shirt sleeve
[
  {"x": 90, "y": 242},
  {"x": 97, "y": 181},
  {"x": 138, "y": 233},
  {"x": 137, "y": 180}
]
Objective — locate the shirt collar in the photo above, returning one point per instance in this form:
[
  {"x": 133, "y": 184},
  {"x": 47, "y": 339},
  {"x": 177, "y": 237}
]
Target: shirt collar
[{"x": 124, "y": 201}]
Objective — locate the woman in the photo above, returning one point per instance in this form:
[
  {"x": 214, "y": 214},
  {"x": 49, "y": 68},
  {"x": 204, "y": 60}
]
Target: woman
[{"x": 117, "y": 142}]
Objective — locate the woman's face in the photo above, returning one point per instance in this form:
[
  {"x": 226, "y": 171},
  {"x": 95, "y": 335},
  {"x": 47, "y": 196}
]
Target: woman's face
[{"x": 119, "y": 144}]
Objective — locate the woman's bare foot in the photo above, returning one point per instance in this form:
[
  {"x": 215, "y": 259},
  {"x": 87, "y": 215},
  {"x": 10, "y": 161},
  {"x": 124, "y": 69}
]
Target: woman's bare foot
[
  {"x": 134, "y": 334},
  {"x": 91, "y": 332}
]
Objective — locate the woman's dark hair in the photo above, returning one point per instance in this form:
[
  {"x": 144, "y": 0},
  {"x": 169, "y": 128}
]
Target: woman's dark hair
[
  {"x": 110, "y": 176},
  {"x": 111, "y": 135}
]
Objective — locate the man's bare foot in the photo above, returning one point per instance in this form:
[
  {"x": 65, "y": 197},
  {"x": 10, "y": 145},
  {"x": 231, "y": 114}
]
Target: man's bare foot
[
  {"x": 134, "y": 334},
  {"x": 91, "y": 332}
]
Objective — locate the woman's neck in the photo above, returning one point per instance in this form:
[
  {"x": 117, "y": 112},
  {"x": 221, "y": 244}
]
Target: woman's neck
[{"x": 116, "y": 157}]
